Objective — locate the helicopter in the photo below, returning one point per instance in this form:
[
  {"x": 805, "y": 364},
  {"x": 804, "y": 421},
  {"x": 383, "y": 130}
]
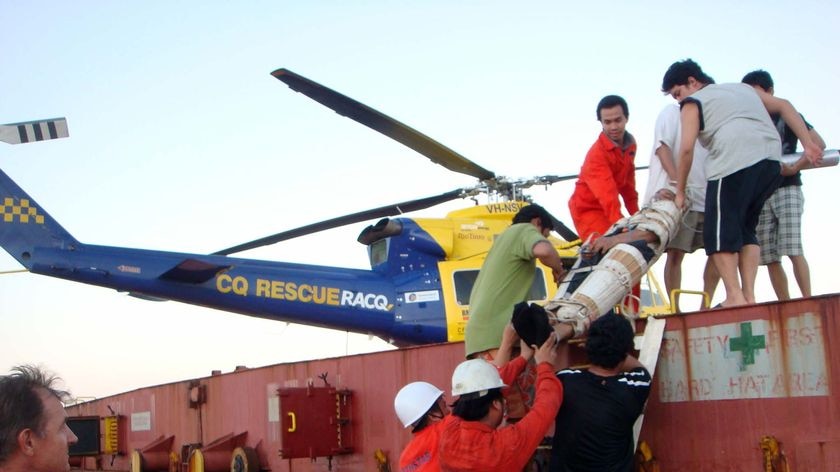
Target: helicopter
[{"x": 422, "y": 269}]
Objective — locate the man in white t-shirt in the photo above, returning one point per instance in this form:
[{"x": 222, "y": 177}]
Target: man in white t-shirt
[{"x": 663, "y": 174}]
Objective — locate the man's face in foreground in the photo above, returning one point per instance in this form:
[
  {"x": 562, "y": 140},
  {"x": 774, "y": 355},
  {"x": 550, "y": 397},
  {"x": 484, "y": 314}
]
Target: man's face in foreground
[{"x": 51, "y": 443}]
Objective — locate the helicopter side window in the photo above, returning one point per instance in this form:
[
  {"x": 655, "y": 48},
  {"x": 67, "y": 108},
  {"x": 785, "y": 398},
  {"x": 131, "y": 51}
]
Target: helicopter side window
[
  {"x": 465, "y": 279},
  {"x": 378, "y": 252},
  {"x": 538, "y": 287}
]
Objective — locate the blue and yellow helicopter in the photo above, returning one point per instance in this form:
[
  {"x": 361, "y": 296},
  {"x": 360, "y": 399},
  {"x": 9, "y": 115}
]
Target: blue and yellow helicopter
[{"x": 422, "y": 270}]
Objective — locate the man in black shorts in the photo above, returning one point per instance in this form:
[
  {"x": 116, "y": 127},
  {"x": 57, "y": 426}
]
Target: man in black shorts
[{"x": 743, "y": 168}]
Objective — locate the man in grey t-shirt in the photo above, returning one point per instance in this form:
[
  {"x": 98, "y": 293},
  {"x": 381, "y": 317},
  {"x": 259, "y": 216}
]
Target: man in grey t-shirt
[{"x": 743, "y": 169}]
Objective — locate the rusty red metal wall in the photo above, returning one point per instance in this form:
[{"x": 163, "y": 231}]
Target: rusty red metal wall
[
  {"x": 689, "y": 425},
  {"x": 238, "y": 402},
  {"x": 712, "y": 420}
]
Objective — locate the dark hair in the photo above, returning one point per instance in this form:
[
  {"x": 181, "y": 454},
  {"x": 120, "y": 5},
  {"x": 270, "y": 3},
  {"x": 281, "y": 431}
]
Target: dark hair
[
  {"x": 759, "y": 77},
  {"x": 531, "y": 323},
  {"x": 425, "y": 419},
  {"x": 529, "y": 212},
  {"x": 609, "y": 341},
  {"x": 472, "y": 408},
  {"x": 610, "y": 101},
  {"x": 680, "y": 71},
  {"x": 21, "y": 406}
]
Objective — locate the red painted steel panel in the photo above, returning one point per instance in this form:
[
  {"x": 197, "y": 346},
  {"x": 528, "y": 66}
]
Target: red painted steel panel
[
  {"x": 699, "y": 417},
  {"x": 713, "y": 420},
  {"x": 247, "y": 401},
  {"x": 314, "y": 422}
]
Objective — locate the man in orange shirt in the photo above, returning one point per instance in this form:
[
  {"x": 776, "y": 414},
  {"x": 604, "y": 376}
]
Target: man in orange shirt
[
  {"x": 607, "y": 172},
  {"x": 421, "y": 406},
  {"x": 470, "y": 440}
]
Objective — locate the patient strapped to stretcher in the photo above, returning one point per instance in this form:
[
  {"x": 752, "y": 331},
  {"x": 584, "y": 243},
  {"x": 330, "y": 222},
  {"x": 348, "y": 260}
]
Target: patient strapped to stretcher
[{"x": 611, "y": 265}]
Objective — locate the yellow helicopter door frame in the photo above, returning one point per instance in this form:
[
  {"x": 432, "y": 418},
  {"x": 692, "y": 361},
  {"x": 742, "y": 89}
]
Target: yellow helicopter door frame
[{"x": 457, "y": 278}]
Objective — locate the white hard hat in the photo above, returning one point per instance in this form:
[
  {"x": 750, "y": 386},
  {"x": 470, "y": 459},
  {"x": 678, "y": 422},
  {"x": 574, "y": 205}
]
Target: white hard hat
[
  {"x": 475, "y": 375},
  {"x": 414, "y": 400}
]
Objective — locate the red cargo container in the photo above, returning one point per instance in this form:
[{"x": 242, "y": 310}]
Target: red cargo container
[{"x": 724, "y": 380}]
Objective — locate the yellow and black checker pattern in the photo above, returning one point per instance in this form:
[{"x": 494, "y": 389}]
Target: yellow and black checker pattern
[{"x": 22, "y": 213}]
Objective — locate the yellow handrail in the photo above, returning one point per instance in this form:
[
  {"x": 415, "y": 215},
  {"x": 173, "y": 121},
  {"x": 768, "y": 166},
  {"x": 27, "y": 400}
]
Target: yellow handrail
[{"x": 707, "y": 301}]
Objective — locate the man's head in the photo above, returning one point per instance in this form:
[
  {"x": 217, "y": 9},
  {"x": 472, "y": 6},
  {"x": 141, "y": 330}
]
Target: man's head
[
  {"x": 759, "y": 78},
  {"x": 531, "y": 323},
  {"x": 418, "y": 404},
  {"x": 609, "y": 341},
  {"x": 478, "y": 386},
  {"x": 613, "y": 113},
  {"x": 34, "y": 435},
  {"x": 684, "y": 78},
  {"x": 665, "y": 194},
  {"x": 536, "y": 215}
]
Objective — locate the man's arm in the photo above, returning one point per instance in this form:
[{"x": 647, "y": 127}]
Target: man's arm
[
  {"x": 780, "y": 106},
  {"x": 666, "y": 157},
  {"x": 597, "y": 175},
  {"x": 818, "y": 140},
  {"x": 791, "y": 169},
  {"x": 605, "y": 243},
  {"x": 517, "y": 442},
  {"x": 803, "y": 162},
  {"x": 546, "y": 253},
  {"x": 690, "y": 122},
  {"x": 509, "y": 339},
  {"x": 629, "y": 194}
]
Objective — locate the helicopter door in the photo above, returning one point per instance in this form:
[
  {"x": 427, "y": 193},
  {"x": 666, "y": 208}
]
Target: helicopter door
[{"x": 457, "y": 280}]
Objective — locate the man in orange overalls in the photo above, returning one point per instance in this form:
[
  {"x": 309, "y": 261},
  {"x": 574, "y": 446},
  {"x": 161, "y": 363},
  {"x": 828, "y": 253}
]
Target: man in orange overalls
[{"x": 607, "y": 172}]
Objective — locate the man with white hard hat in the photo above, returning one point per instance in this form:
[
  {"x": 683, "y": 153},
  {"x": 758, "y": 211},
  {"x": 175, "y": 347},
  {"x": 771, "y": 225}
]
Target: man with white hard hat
[
  {"x": 470, "y": 439},
  {"x": 421, "y": 406}
]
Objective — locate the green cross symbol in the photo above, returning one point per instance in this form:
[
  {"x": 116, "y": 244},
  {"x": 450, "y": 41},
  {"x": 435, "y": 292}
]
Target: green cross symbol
[{"x": 747, "y": 344}]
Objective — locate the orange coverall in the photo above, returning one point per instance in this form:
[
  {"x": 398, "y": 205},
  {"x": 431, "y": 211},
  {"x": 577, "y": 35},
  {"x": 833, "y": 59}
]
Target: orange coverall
[
  {"x": 519, "y": 375},
  {"x": 421, "y": 454},
  {"x": 607, "y": 172},
  {"x": 473, "y": 445}
]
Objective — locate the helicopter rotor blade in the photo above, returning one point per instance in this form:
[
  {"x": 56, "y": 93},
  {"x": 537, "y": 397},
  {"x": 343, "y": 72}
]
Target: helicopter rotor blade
[
  {"x": 553, "y": 179},
  {"x": 32, "y": 131},
  {"x": 361, "y": 113},
  {"x": 563, "y": 230},
  {"x": 387, "y": 210}
]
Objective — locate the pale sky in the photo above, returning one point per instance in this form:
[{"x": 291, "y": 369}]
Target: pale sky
[{"x": 181, "y": 140}]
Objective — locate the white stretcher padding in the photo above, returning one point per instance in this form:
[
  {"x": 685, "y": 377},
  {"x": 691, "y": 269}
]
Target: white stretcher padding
[{"x": 619, "y": 270}]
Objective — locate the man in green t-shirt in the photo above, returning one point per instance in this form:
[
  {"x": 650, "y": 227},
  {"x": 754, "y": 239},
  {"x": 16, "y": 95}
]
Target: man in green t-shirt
[{"x": 506, "y": 277}]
